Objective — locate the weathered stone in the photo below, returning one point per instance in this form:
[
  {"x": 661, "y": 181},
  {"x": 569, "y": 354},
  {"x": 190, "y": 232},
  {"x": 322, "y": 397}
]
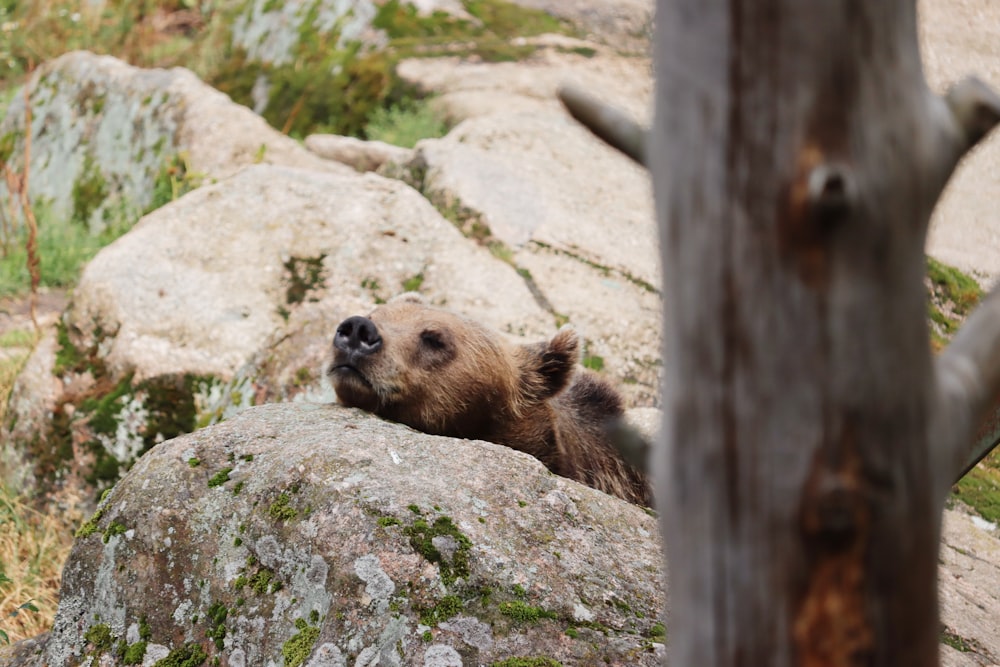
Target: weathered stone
[
  {"x": 959, "y": 40},
  {"x": 467, "y": 88},
  {"x": 199, "y": 285},
  {"x": 269, "y": 31},
  {"x": 102, "y": 132},
  {"x": 970, "y": 598},
  {"x": 625, "y": 24},
  {"x": 322, "y": 523},
  {"x": 357, "y": 153}
]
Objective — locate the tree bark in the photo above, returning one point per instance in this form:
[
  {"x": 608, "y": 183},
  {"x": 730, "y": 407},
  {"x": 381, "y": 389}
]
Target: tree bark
[{"x": 797, "y": 153}]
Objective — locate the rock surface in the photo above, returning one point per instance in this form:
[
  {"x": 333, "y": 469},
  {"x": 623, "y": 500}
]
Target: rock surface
[
  {"x": 102, "y": 132},
  {"x": 320, "y": 535},
  {"x": 358, "y": 153},
  {"x": 464, "y": 88},
  {"x": 959, "y": 39},
  {"x": 970, "y": 597}
]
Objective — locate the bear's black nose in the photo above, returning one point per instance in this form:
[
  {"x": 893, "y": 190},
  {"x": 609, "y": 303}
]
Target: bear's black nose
[{"x": 358, "y": 335}]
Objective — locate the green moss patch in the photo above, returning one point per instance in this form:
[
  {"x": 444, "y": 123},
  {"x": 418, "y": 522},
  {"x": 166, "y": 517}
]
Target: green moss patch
[
  {"x": 216, "y": 617},
  {"x": 281, "y": 509},
  {"x": 303, "y": 277},
  {"x": 114, "y": 528},
  {"x": 448, "y": 606},
  {"x": 100, "y": 636},
  {"x": 297, "y": 649},
  {"x": 188, "y": 655},
  {"x": 89, "y": 191},
  {"x": 219, "y": 478},
  {"x": 523, "y": 613},
  {"x": 980, "y": 488},
  {"x": 527, "y": 662},
  {"x": 166, "y": 405},
  {"x": 422, "y": 534},
  {"x": 952, "y": 296}
]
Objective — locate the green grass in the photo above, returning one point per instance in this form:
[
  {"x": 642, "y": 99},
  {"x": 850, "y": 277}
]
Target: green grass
[
  {"x": 405, "y": 125},
  {"x": 980, "y": 489},
  {"x": 952, "y": 297},
  {"x": 63, "y": 251}
]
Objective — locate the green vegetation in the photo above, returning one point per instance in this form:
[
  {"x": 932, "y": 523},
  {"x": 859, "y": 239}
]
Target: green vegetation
[
  {"x": 413, "y": 283},
  {"x": 297, "y": 649},
  {"x": 405, "y": 124},
  {"x": 956, "y": 642},
  {"x": 63, "y": 251},
  {"x": 952, "y": 297},
  {"x": 421, "y": 536},
  {"x": 220, "y": 478},
  {"x": 188, "y": 655},
  {"x": 281, "y": 510},
  {"x": 174, "y": 180},
  {"x": 216, "y": 617},
  {"x": 304, "y": 275},
  {"x": 448, "y": 606},
  {"x": 524, "y": 613},
  {"x": 100, "y": 636},
  {"x": 114, "y": 528},
  {"x": 980, "y": 488},
  {"x": 527, "y": 662},
  {"x": 134, "y": 653}
]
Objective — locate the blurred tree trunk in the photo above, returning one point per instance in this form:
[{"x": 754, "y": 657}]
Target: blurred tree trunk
[{"x": 797, "y": 153}]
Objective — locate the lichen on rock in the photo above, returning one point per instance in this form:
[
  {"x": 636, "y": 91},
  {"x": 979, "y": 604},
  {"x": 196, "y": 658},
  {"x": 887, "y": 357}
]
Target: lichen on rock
[{"x": 334, "y": 580}]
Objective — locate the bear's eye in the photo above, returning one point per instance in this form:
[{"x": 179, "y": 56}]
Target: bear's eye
[{"x": 432, "y": 339}]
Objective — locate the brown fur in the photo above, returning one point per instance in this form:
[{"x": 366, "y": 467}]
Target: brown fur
[{"x": 443, "y": 374}]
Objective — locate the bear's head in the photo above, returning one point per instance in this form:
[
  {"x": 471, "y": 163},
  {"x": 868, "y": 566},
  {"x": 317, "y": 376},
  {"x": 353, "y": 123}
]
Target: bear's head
[{"x": 441, "y": 373}]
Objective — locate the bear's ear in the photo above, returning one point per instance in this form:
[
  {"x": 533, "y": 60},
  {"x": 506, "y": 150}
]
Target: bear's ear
[
  {"x": 547, "y": 367},
  {"x": 409, "y": 297}
]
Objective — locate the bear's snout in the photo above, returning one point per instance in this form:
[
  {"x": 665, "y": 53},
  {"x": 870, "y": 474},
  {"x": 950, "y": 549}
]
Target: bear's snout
[{"x": 357, "y": 336}]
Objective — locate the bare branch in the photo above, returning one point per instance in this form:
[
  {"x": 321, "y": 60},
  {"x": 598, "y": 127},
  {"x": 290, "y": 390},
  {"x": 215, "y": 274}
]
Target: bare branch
[
  {"x": 611, "y": 125},
  {"x": 976, "y": 109},
  {"x": 968, "y": 383}
]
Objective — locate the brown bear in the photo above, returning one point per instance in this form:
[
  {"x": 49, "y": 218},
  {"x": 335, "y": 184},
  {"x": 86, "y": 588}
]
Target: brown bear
[{"x": 443, "y": 374}]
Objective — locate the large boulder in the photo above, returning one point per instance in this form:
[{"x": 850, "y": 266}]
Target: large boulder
[
  {"x": 464, "y": 88},
  {"x": 105, "y": 136},
  {"x": 969, "y": 590},
  {"x": 956, "y": 41},
  {"x": 313, "y": 534}
]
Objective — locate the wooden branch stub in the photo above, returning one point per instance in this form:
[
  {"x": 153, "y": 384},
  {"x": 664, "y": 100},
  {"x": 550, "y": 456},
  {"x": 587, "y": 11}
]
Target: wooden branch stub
[
  {"x": 830, "y": 192},
  {"x": 611, "y": 125},
  {"x": 976, "y": 108}
]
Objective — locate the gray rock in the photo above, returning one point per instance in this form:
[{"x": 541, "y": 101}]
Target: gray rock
[
  {"x": 969, "y": 591},
  {"x": 198, "y": 286},
  {"x": 357, "y": 153},
  {"x": 269, "y": 31},
  {"x": 467, "y": 88},
  {"x": 301, "y": 524},
  {"x": 625, "y": 24},
  {"x": 103, "y": 130}
]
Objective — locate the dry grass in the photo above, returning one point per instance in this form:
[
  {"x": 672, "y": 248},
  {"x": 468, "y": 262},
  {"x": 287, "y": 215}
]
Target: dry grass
[
  {"x": 15, "y": 347},
  {"x": 34, "y": 540},
  {"x": 34, "y": 544}
]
